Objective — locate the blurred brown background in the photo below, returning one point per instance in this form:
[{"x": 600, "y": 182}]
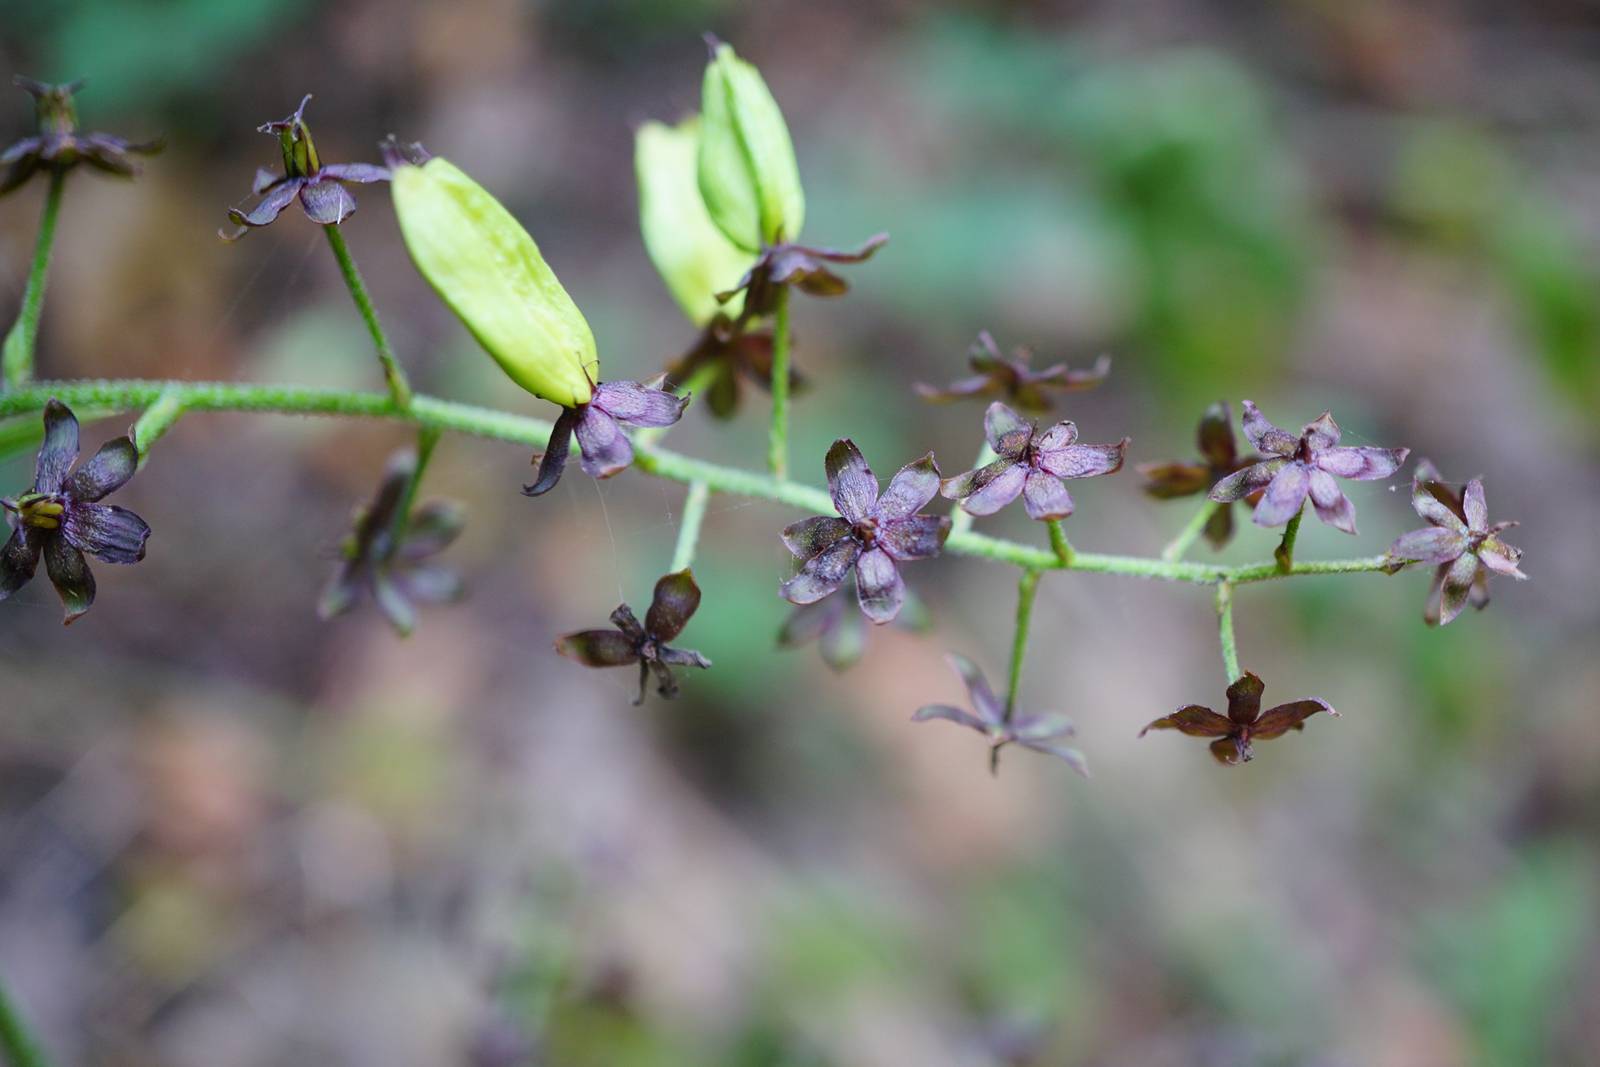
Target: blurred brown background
[{"x": 230, "y": 835}]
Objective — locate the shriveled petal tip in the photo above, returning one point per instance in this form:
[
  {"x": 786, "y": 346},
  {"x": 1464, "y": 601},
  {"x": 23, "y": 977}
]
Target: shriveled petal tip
[
  {"x": 107, "y": 470},
  {"x": 958, "y": 716},
  {"x": 1322, "y": 432},
  {"x": 810, "y": 536},
  {"x": 987, "y": 489},
  {"x": 604, "y": 450},
  {"x": 1430, "y": 545},
  {"x": 879, "y": 587},
  {"x": 909, "y": 490},
  {"x": 983, "y": 698},
  {"x": 1192, "y": 720},
  {"x": 861, "y": 252},
  {"x": 597, "y": 648},
  {"x": 1285, "y": 495},
  {"x": 1007, "y": 432},
  {"x": 1264, "y": 435},
  {"x": 355, "y": 172},
  {"x": 1244, "y": 698},
  {"x": 271, "y": 206},
  {"x": 1361, "y": 464},
  {"x": 850, "y": 481},
  {"x": 1168, "y": 481},
  {"x": 557, "y": 449},
  {"x": 327, "y": 203},
  {"x": 919, "y": 537},
  {"x": 1285, "y": 717},
  {"x": 59, "y": 450},
  {"x": 961, "y": 389},
  {"x": 638, "y": 403},
  {"x": 1083, "y": 461},
  {"x": 684, "y": 657},
  {"x": 69, "y": 573},
  {"x": 1501, "y": 558},
  {"x": 1045, "y": 497},
  {"x": 676, "y": 599},
  {"x": 106, "y": 532},
  {"x": 1241, "y": 484}
]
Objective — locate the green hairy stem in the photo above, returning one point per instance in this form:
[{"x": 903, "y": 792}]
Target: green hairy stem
[
  {"x": 399, "y": 387},
  {"x": 16, "y": 354},
  {"x": 778, "y": 441}
]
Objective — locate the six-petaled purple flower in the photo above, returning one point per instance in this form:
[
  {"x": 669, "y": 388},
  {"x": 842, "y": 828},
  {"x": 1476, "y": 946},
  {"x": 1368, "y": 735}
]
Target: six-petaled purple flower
[
  {"x": 675, "y": 601},
  {"x": 58, "y": 146},
  {"x": 1304, "y": 466},
  {"x": 1460, "y": 543},
  {"x": 1041, "y": 731},
  {"x": 1032, "y": 463},
  {"x": 61, "y": 517},
  {"x": 305, "y": 177},
  {"x": 874, "y": 534},
  {"x": 1244, "y": 723},
  {"x": 602, "y": 444},
  {"x": 1013, "y": 380}
]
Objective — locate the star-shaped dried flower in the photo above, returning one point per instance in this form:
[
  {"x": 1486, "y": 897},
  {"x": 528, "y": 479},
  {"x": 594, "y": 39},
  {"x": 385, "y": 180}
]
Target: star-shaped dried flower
[
  {"x": 603, "y": 446},
  {"x": 1012, "y": 379},
  {"x": 1040, "y": 732},
  {"x": 319, "y": 187},
  {"x": 735, "y": 352},
  {"x": 676, "y": 598},
  {"x": 1220, "y": 458},
  {"x": 801, "y": 266},
  {"x": 1032, "y": 463},
  {"x": 1304, "y": 466},
  {"x": 385, "y": 551},
  {"x": 58, "y": 146},
  {"x": 840, "y": 632},
  {"x": 1460, "y": 543},
  {"x": 61, "y": 517},
  {"x": 874, "y": 534},
  {"x": 1244, "y": 723}
]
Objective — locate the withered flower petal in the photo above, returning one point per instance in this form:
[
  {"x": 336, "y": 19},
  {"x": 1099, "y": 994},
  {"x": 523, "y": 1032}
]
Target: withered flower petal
[
  {"x": 1459, "y": 542},
  {"x": 1033, "y": 463},
  {"x": 1301, "y": 467},
  {"x": 840, "y": 633},
  {"x": 875, "y": 534},
  {"x": 1012, "y": 379},
  {"x": 800, "y": 266},
  {"x": 604, "y": 449},
  {"x": 59, "y": 146},
  {"x": 1219, "y": 460},
  {"x": 735, "y": 351},
  {"x": 1245, "y": 721},
  {"x": 1041, "y": 732},
  {"x": 60, "y": 518},
  {"x": 676, "y": 599}
]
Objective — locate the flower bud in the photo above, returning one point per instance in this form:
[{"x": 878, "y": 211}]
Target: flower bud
[
  {"x": 748, "y": 175},
  {"x": 694, "y": 258},
  {"x": 485, "y": 266}
]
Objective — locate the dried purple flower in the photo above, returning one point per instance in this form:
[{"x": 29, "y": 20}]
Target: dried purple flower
[
  {"x": 840, "y": 633},
  {"x": 874, "y": 535},
  {"x": 604, "y": 447},
  {"x": 1039, "y": 732},
  {"x": 800, "y": 266},
  {"x": 1012, "y": 379},
  {"x": 1304, "y": 466},
  {"x": 735, "y": 352},
  {"x": 676, "y": 598},
  {"x": 385, "y": 551},
  {"x": 1244, "y": 723},
  {"x": 1169, "y": 481},
  {"x": 1458, "y": 540},
  {"x": 58, "y": 146},
  {"x": 318, "y": 187},
  {"x": 1033, "y": 464},
  {"x": 61, "y": 517}
]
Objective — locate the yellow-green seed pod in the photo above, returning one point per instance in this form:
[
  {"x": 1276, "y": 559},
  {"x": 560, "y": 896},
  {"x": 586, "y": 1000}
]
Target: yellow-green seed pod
[
  {"x": 485, "y": 266},
  {"x": 748, "y": 175},
  {"x": 694, "y": 257}
]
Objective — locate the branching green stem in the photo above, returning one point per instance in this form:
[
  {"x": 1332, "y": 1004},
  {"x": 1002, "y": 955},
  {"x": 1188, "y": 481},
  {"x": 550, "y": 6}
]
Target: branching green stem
[
  {"x": 1230, "y": 647},
  {"x": 778, "y": 441},
  {"x": 399, "y": 388},
  {"x": 16, "y": 355},
  {"x": 157, "y": 419},
  {"x": 17, "y": 1043},
  {"x": 1065, "y": 553},
  {"x": 132, "y": 394},
  {"x": 1186, "y": 537},
  {"x": 1027, "y": 590},
  {"x": 694, "y": 511},
  {"x": 427, "y": 440}
]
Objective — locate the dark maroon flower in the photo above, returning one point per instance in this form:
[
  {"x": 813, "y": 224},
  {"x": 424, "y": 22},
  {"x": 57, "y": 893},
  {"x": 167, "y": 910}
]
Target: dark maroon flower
[
  {"x": 58, "y": 146},
  {"x": 1012, "y": 379},
  {"x": 1040, "y": 732},
  {"x": 1244, "y": 722},
  {"x": 841, "y": 633},
  {"x": 318, "y": 187},
  {"x": 675, "y": 601},
  {"x": 604, "y": 447},
  {"x": 874, "y": 535},
  {"x": 735, "y": 353},
  {"x": 61, "y": 517},
  {"x": 800, "y": 266},
  {"x": 1304, "y": 466},
  {"x": 1031, "y": 463},
  {"x": 1460, "y": 543},
  {"x": 385, "y": 552},
  {"x": 1220, "y": 458}
]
